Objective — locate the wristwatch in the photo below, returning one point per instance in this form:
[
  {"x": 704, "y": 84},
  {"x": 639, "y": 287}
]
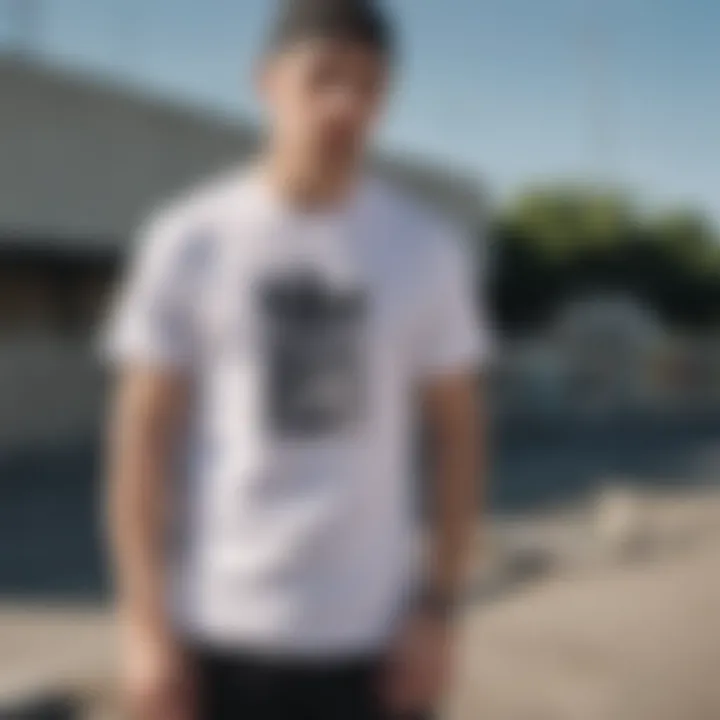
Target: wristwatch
[{"x": 437, "y": 604}]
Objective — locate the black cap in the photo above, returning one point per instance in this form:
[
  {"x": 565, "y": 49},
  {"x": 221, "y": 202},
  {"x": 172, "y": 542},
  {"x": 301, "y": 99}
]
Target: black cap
[{"x": 360, "y": 21}]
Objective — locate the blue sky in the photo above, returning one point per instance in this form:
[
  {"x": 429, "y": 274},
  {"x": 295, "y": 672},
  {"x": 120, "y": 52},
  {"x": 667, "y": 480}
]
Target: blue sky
[{"x": 514, "y": 91}]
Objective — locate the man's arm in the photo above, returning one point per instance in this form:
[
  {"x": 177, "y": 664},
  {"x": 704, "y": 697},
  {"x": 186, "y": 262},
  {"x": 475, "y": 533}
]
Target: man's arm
[
  {"x": 422, "y": 658},
  {"x": 146, "y": 416},
  {"x": 450, "y": 345},
  {"x": 452, "y": 413}
]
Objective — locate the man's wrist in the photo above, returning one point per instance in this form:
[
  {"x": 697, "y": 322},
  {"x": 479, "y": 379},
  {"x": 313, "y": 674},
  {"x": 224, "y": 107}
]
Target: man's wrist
[{"x": 436, "y": 603}]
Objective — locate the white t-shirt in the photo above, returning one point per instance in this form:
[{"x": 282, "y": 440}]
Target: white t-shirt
[{"x": 303, "y": 337}]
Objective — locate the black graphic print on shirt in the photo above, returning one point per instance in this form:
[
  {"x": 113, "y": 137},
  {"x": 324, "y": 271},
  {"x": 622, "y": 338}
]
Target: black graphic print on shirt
[{"x": 313, "y": 336}]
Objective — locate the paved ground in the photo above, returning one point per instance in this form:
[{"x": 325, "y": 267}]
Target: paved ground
[{"x": 636, "y": 643}]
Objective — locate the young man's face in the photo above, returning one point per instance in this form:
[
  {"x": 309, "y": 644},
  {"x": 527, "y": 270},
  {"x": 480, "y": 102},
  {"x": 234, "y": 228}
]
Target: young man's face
[{"x": 323, "y": 97}]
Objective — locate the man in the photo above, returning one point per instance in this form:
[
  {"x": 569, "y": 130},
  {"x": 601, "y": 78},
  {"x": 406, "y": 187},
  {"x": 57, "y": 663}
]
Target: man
[{"x": 279, "y": 329}]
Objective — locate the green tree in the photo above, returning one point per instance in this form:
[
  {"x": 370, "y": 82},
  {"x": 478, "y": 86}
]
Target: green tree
[{"x": 555, "y": 243}]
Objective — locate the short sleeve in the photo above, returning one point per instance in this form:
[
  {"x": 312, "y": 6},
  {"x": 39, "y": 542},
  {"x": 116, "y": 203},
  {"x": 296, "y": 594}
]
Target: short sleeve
[
  {"x": 454, "y": 335},
  {"x": 150, "y": 320}
]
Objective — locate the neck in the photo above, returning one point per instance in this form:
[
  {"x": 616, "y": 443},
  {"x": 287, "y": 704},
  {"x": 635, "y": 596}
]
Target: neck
[{"x": 307, "y": 184}]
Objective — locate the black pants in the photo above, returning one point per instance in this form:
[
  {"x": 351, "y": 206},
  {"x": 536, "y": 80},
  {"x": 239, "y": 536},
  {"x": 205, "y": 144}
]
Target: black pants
[{"x": 245, "y": 687}]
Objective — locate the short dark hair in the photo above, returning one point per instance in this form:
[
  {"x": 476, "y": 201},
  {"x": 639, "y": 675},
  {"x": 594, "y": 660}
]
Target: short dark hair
[{"x": 361, "y": 21}]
